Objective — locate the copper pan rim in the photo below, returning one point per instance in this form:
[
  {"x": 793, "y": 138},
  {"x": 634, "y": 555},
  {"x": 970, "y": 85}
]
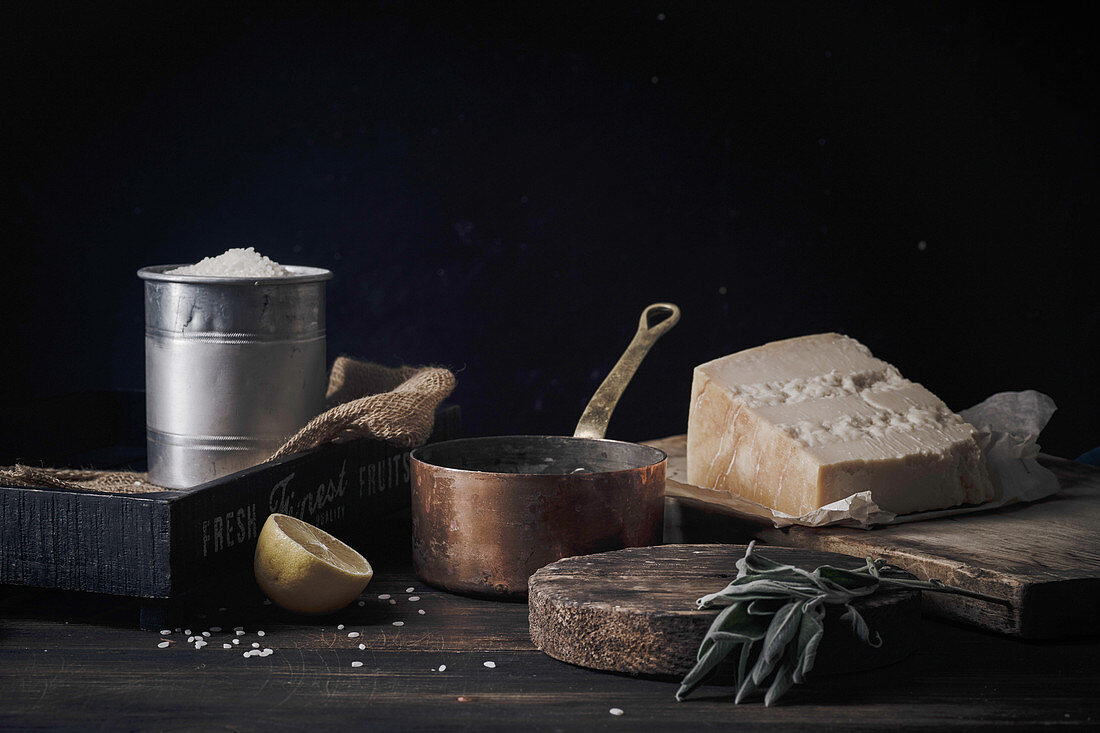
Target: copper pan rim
[{"x": 423, "y": 454}]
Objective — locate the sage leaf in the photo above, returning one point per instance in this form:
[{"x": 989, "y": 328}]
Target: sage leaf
[
  {"x": 784, "y": 677},
  {"x": 704, "y": 668},
  {"x": 810, "y": 633},
  {"x": 782, "y": 629},
  {"x": 859, "y": 627},
  {"x": 743, "y": 663},
  {"x": 744, "y": 688}
]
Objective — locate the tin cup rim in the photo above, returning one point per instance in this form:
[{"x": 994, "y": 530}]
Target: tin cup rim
[{"x": 298, "y": 274}]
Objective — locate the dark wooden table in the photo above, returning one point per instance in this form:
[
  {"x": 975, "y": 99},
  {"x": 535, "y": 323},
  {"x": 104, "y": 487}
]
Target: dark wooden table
[{"x": 73, "y": 661}]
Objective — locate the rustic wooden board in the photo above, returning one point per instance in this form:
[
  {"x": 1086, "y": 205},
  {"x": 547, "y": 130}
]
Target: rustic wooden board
[
  {"x": 634, "y": 610},
  {"x": 1042, "y": 558}
]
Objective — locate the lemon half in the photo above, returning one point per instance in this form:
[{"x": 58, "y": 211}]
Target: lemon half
[{"x": 306, "y": 570}]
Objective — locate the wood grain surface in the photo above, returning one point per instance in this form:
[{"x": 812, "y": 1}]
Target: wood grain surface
[
  {"x": 1042, "y": 558},
  {"x": 634, "y": 610},
  {"x": 73, "y": 661}
]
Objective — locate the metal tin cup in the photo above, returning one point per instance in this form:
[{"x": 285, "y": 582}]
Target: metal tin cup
[{"x": 233, "y": 367}]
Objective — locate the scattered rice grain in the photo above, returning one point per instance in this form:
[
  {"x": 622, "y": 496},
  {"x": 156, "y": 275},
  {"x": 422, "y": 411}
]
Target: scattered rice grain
[
  {"x": 357, "y": 664},
  {"x": 353, "y": 634},
  {"x": 616, "y": 711},
  {"x": 398, "y": 623},
  {"x": 490, "y": 665},
  {"x": 163, "y": 644}
]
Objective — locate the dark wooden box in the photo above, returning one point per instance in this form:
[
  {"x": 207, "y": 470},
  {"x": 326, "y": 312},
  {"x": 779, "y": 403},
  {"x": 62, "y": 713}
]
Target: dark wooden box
[{"x": 163, "y": 545}]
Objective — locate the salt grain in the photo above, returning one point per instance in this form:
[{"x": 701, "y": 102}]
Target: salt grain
[
  {"x": 163, "y": 644},
  {"x": 398, "y": 623},
  {"x": 357, "y": 664},
  {"x": 234, "y": 262},
  {"x": 490, "y": 665},
  {"x": 616, "y": 711}
]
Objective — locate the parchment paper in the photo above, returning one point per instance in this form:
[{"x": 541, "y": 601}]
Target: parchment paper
[{"x": 1008, "y": 425}]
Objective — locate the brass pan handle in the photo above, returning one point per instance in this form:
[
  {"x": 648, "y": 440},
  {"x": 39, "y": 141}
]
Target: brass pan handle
[{"x": 656, "y": 321}]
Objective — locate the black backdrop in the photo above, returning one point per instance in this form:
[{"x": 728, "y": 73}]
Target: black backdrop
[{"x": 501, "y": 188}]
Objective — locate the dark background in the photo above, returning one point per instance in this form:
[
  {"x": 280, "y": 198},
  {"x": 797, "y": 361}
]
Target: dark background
[{"x": 501, "y": 188}]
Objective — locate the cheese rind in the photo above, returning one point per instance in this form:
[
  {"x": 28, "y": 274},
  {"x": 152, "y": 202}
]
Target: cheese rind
[{"x": 797, "y": 424}]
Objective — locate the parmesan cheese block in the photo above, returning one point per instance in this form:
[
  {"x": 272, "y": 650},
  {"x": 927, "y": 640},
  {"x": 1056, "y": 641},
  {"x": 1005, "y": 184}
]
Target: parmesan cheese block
[{"x": 801, "y": 423}]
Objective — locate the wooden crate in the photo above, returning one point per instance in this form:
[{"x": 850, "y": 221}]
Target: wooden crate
[{"x": 162, "y": 546}]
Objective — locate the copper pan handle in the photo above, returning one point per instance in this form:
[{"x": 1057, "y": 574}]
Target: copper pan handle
[{"x": 656, "y": 321}]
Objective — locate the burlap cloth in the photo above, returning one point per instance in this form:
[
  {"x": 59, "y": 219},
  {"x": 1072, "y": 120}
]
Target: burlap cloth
[{"x": 393, "y": 405}]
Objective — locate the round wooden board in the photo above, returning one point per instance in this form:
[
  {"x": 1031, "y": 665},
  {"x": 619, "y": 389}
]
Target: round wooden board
[{"x": 634, "y": 610}]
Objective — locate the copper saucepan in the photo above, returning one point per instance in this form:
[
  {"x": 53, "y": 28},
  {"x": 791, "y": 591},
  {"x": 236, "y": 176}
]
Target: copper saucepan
[{"x": 489, "y": 512}]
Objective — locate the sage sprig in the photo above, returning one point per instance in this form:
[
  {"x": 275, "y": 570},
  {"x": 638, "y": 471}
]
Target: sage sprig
[{"x": 774, "y": 616}]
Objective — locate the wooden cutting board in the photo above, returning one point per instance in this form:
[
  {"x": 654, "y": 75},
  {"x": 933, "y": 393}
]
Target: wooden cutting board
[
  {"x": 1042, "y": 558},
  {"x": 634, "y": 610}
]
